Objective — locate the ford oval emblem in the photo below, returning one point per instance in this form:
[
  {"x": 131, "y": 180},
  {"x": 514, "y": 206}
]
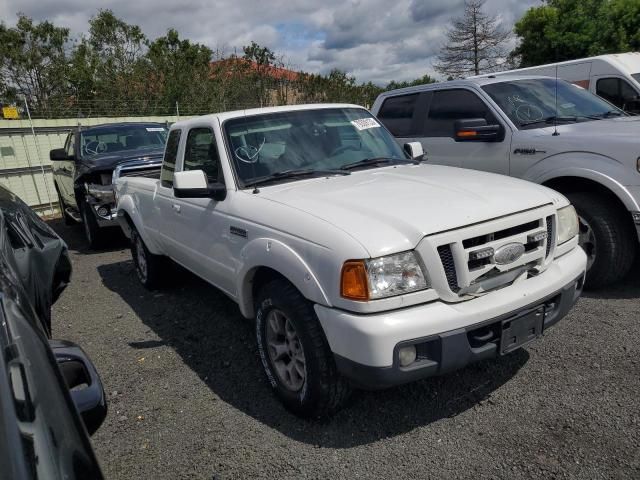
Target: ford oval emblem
[{"x": 508, "y": 253}]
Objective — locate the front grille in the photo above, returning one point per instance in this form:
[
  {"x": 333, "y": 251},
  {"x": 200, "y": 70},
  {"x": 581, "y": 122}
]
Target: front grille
[
  {"x": 446, "y": 256},
  {"x": 476, "y": 269},
  {"x": 499, "y": 235}
]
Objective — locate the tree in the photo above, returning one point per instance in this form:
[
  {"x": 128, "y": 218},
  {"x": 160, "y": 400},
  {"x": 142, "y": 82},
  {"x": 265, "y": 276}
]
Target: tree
[
  {"x": 262, "y": 63},
  {"x": 475, "y": 43},
  {"x": 568, "y": 29},
  {"x": 180, "y": 72},
  {"x": 33, "y": 62},
  {"x": 114, "y": 62}
]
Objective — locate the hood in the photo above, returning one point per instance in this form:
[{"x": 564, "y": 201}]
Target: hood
[
  {"x": 109, "y": 161},
  {"x": 391, "y": 209},
  {"x": 615, "y": 138}
]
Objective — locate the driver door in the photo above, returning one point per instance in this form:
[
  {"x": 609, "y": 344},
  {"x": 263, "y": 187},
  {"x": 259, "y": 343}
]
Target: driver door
[
  {"x": 201, "y": 225},
  {"x": 66, "y": 170},
  {"x": 446, "y": 106}
]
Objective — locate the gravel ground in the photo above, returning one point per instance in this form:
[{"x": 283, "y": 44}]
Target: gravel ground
[{"x": 187, "y": 397}]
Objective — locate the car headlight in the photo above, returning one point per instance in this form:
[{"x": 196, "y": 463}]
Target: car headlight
[
  {"x": 567, "y": 224},
  {"x": 382, "y": 277}
]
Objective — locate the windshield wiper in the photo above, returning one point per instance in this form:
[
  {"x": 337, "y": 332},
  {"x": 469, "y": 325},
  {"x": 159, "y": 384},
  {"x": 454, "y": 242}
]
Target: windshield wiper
[
  {"x": 551, "y": 119},
  {"x": 368, "y": 162},
  {"x": 608, "y": 114},
  {"x": 293, "y": 173}
]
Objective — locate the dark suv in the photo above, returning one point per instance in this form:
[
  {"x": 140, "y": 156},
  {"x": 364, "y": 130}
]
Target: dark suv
[{"x": 85, "y": 169}]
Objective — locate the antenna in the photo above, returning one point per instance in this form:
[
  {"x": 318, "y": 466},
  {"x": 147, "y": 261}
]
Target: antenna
[{"x": 555, "y": 117}]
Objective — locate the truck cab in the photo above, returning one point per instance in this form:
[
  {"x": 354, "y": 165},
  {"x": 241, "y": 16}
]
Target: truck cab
[{"x": 539, "y": 129}]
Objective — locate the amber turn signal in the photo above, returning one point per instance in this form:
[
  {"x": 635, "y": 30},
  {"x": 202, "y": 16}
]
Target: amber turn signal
[
  {"x": 353, "y": 281},
  {"x": 466, "y": 133}
]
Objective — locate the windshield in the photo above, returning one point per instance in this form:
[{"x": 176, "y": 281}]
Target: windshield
[
  {"x": 531, "y": 103},
  {"x": 116, "y": 138},
  {"x": 636, "y": 77},
  {"x": 318, "y": 140}
]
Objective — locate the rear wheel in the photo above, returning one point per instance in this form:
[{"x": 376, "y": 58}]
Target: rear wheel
[
  {"x": 606, "y": 236},
  {"x": 295, "y": 354},
  {"x": 149, "y": 267}
]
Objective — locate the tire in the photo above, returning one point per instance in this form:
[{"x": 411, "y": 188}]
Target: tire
[
  {"x": 90, "y": 226},
  {"x": 150, "y": 268},
  {"x": 322, "y": 391},
  {"x": 607, "y": 237}
]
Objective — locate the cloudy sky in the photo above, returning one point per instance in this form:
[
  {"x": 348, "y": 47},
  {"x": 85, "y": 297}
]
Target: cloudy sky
[{"x": 377, "y": 40}]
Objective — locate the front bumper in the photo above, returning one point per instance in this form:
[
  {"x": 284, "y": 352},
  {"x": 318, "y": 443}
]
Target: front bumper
[{"x": 446, "y": 335}]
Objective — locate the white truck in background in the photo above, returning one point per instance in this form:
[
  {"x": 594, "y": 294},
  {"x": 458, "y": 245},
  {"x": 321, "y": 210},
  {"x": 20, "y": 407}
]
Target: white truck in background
[
  {"x": 361, "y": 264},
  {"x": 539, "y": 129},
  {"x": 614, "y": 77}
]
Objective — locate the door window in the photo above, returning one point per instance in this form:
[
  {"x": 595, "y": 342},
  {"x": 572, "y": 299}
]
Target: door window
[
  {"x": 397, "y": 114},
  {"x": 201, "y": 153},
  {"x": 169, "y": 161},
  {"x": 618, "y": 92},
  {"x": 71, "y": 145},
  {"x": 447, "y": 106}
]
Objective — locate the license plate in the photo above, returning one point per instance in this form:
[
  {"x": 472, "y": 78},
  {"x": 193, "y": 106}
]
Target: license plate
[{"x": 520, "y": 330}]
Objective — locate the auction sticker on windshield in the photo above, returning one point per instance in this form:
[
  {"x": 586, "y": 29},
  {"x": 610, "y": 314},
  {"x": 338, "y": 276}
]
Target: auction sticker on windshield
[
  {"x": 155, "y": 129},
  {"x": 365, "y": 123}
]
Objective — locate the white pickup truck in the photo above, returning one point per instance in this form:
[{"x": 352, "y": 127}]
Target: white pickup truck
[
  {"x": 361, "y": 265},
  {"x": 538, "y": 129}
]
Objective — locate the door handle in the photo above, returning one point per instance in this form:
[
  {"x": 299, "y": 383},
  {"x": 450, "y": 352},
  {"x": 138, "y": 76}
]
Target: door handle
[{"x": 176, "y": 208}]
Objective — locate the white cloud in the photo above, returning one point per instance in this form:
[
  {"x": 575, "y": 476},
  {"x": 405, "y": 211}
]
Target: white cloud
[{"x": 374, "y": 40}]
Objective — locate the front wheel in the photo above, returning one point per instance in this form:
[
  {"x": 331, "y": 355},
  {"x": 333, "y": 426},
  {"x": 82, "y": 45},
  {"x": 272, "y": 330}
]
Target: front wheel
[
  {"x": 90, "y": 225},
  {"x": 295, "y": 354},
  {"x": 606, "y": 236}
]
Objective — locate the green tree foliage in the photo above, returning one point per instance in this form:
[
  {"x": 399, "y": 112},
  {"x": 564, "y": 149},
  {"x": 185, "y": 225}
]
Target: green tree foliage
[
  {"x": 568, "y": 29},
  {"x": 418, "y": 81},
  {"x": 33, "y": 62},
  {"x": 179, "y": 71}
]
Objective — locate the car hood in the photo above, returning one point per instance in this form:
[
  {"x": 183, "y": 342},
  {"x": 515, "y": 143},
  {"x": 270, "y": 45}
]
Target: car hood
[
  {"x": 110, "y": 161},
  {"x": 390, "y": 209}
]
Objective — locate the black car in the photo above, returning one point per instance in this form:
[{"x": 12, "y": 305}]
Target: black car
[
  {"x": 85, "y": 169},
  {"x": 51, "y": 396}
]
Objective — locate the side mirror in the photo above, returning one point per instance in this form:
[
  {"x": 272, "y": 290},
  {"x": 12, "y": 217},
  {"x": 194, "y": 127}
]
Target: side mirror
[
  {"x": 59, "y": 154},
  {"x": 83, "y": 383},
  {"x": 194, "y": 184},
  {"x": 414, "y": 150},
  {"x": 477, "y": 130}
]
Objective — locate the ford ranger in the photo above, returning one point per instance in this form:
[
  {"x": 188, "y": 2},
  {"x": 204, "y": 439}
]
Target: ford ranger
[
  {"x": 361, "y": 264},
  {"x": 542, "y": 130},
  {"x": 92, "y": 157}
]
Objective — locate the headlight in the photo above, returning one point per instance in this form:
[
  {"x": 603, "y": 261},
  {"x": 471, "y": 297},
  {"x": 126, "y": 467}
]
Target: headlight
[
  {"x": 567, "y": 224},
  {"x": 382, "y": 277}
]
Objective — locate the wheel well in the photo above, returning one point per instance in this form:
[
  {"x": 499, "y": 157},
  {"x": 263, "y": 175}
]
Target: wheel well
[
  {"x": 128, "y": 220},
  {"x": 566, "y": 185},
  {"x": 262, "y": 276}
]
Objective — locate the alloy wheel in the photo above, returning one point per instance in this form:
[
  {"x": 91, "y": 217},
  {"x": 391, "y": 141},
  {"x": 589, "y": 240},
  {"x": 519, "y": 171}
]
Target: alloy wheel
[{"x": 285, "y": 350}]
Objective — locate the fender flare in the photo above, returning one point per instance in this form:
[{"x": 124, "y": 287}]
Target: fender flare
[
  {"x": 273, "y": 254},
  {"x": 606, "y": 181},
  {"x": 127, "y": 208}
]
